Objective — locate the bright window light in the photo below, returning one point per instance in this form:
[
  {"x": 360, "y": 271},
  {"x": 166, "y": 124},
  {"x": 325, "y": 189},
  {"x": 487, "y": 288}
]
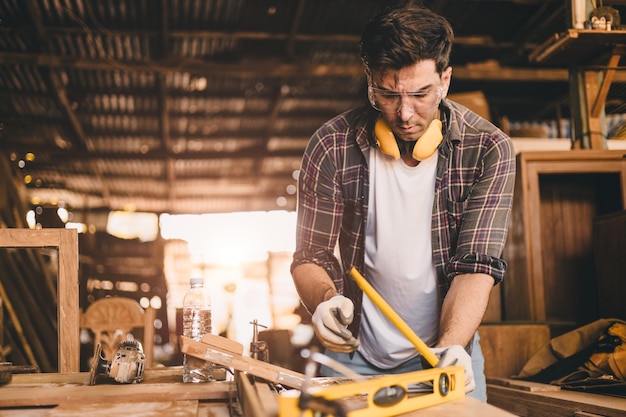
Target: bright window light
[
  {"x": 232, "y": 237},
  {"x": 133, "y": 225}
]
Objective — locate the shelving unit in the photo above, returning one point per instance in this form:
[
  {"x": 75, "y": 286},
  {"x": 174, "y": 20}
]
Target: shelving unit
[
  {"x": 586, "y": 53},
  {"x": 579, "y": 47}
]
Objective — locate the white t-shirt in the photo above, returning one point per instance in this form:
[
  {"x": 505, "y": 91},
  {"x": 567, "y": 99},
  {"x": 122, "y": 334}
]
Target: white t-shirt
[{"x": 398, "y": 258}]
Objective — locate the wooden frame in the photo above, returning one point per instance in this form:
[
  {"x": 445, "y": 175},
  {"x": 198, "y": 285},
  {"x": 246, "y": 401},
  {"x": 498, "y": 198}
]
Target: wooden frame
[
  {"x": 66, "y": 242},
  {"x": 527, "y": 290}
]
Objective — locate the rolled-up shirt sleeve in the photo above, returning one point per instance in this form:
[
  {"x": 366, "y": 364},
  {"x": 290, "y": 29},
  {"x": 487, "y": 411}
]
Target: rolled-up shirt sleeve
[
  {"x": 320, "y": 207},
  {"x": 485, "y": 214}
]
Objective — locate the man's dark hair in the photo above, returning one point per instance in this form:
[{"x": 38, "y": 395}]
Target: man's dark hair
[{"x": 403, "y": 36}]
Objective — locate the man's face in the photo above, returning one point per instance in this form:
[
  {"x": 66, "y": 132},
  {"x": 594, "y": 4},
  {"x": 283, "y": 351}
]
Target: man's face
[{"x": 408, "y": 99}]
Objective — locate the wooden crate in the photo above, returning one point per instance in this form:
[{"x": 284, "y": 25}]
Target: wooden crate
[{"x": 507, "y": 347}]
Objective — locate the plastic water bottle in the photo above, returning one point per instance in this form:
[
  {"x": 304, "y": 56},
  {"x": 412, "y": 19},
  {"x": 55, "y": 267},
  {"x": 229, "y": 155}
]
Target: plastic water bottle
[{"x": 196, "y": 323}]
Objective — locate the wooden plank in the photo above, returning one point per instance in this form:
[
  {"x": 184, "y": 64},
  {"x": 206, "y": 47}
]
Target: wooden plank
[
  {"x": 52, "y": 393},
  {"x": 522, "y": 385},
  {"x": 217, "y": 354},
  {"x": 160, "y": 375},
  {"x": 214, "y": 409},
  {"x": 256, "y": 399},
  {"x": 533, "y": 205},
  {"x": 572, "y": 155},
  {"x": 204, "y": 409},
  {"x": 515, "y": 289},
  {"x": 467, "y": 406},
  {"x": 224, "y": 344},
  {"x": 554, "y": 403},
  {"x": 600, "y": 99},
  {"x": 594, "y": 123},
  {"x": 184, "y": 408},
  {"x": 69, "y": 311}
]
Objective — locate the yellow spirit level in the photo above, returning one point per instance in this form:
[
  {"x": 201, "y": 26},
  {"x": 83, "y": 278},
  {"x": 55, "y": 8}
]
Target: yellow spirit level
[{"x": 382, "y": 396}]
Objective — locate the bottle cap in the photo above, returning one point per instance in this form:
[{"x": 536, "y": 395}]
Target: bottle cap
[{"x": 196, "y": 280}]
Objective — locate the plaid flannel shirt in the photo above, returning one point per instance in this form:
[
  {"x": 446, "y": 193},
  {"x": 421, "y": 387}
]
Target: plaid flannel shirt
[{"x": 473, "y": 198}]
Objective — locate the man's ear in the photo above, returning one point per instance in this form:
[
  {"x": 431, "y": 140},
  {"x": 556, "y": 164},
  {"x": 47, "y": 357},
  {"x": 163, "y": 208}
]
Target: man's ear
[{"x": 446, "y": 76}]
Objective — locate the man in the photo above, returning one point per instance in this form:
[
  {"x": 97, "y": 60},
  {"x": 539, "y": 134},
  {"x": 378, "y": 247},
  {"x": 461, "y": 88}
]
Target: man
[{"x": 424, "y": 220}]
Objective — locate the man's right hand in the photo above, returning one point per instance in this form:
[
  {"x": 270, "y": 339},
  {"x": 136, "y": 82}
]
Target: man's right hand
[
  {"x": 330, "y": 322},
  {"x": 455, "y": 355}
]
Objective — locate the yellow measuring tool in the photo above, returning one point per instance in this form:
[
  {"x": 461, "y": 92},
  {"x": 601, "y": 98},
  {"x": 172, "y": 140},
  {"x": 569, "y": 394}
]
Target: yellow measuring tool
[{"x": 382, "y": 396}]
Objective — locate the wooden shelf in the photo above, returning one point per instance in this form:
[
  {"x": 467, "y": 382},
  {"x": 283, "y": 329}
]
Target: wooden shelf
[
  {"x": 579, "y": 47},
  {"x": 593, "y": 51}
]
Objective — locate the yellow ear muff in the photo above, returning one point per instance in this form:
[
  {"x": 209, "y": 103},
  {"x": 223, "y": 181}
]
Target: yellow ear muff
[
  {"x": 425, "y": 146},
  {"x": 385, "y": 139}
]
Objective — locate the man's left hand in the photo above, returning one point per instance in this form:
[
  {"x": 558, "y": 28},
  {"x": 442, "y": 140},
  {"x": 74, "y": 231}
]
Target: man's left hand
[{"x": 457, "y": 356}]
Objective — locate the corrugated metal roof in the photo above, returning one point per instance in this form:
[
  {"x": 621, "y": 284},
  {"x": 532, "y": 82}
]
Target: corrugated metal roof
[{"x": 193, "y": 106}]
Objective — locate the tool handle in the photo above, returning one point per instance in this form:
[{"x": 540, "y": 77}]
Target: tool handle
[{"x": 386, "y": 309}]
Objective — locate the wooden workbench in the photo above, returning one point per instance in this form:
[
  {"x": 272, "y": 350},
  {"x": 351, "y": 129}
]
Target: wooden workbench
[{"x": 162, "y": 393}]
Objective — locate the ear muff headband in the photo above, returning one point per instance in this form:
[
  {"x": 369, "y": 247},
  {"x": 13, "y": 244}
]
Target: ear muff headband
[{"x": 425, "y": 146}]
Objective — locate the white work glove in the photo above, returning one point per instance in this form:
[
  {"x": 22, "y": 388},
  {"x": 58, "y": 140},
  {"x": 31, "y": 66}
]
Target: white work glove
[
  {"x": 457, "y": 356},
  {"x": 330, "y": 322}
]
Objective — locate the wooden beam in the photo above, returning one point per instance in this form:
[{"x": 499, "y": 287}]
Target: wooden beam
[
  {"x": 271, "y": 68},
  {"x": 600, "y": 100},
  {"x": 594, "y": 124},
  {"x": 255, "y": 152},
  {"x": 291, "y": 36}
]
